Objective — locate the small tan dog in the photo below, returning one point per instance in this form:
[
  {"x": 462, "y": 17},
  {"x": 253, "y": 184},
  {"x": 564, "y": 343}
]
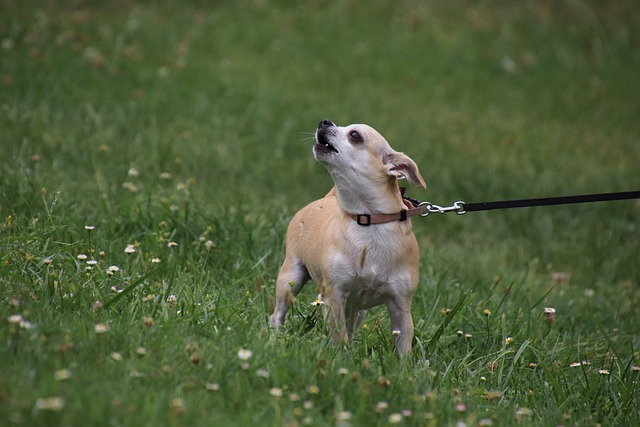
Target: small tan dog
[{"x": 356, "y": 243}]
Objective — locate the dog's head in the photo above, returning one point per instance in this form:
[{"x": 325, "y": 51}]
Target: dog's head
[{"x": 359, "y": 155}]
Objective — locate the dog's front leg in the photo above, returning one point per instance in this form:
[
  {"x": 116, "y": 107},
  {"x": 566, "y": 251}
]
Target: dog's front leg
[
  {"x": 355, "y": 318},
  {"x": 401, "y": 324},
  {"x": 334, "y": 315}
]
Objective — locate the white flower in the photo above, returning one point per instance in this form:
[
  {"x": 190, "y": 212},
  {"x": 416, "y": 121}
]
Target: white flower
[
  {"x": 55, "y": 403},
  {"x": 117, "y": 356},
  {"x": 130, "y": 249},
  {"x": 343, "y": 416},
  {"x": 395, "y": 418},
  {"x": 15, "y": 319},
  {"x": 25, "y": 324},
  {"x": 82, "y": 257},
  {"x": 244, "y": 354},
  {"x": 380, "y": 407},
  {"x": 276, "y": 392},
  {"x": 89, "y": 227},
  {"x": 263, "y": 373},
  {"x": 62, "y": 374},
  {"x": 172, "y": 244},
  {"x": 133, "y": 172},
  {"x": 155, "y": 260},
  {"x": 18, "y": 320},
  {"x": 101, "y": 328}
]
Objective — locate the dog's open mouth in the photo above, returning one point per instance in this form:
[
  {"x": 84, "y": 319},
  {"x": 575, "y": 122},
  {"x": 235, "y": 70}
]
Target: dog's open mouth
[{"x": 324, "y": 144}]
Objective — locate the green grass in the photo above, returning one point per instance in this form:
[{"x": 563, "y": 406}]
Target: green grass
[{"x": 214, "y": 106}]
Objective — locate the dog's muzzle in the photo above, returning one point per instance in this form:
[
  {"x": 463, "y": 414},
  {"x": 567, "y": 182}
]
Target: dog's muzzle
[{"x": 324, "y": 146}]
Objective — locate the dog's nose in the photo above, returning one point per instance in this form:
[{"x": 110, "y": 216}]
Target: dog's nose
[{"x": 325, "y": 124}]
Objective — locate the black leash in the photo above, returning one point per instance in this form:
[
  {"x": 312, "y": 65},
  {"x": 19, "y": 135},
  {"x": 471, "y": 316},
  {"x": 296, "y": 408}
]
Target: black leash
[{"x": 461, "y": 207}]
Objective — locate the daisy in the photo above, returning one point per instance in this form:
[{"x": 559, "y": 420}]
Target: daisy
[
  {"x": 62, "y": 374},
  {"x": 113, "y": 269},
  {"x": 343, "y": 416},
  {"x": 395, "y": 418},
  {"x": 15, "y": 319},
  {"x": 55, "y": 403},
  {"x": 380, "y": 407},
  {"x": 101, "y": 328},
  {"x": 244, "y": 354},
  {"x": 129, "y": 249},
  {"x": 276, "y": 392}
]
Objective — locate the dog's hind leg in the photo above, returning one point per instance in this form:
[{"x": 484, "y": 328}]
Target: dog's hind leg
[{"x": 292, "y": 277}]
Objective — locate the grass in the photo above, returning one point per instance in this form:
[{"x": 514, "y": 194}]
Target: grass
[{"x": 183, "y": 122}]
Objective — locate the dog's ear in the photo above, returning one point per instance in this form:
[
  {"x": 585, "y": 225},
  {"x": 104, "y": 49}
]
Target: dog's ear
[{"x": 400, "y": 166}]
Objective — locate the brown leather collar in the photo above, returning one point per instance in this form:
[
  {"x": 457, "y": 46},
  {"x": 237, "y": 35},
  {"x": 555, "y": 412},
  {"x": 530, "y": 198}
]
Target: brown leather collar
[{"x": 370, "y": 219}]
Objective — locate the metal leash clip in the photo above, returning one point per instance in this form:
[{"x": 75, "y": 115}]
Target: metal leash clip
[{"x": 429, "y": 208}]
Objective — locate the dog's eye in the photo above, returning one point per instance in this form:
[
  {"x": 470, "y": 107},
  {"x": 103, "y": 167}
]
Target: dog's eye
[{"x": 355, "y": 136}]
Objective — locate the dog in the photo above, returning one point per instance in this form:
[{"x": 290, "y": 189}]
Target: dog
[{"x": 356, "y": 243}]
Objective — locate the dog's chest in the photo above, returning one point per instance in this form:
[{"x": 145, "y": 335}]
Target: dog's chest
[{"x": 369, "y": 266}]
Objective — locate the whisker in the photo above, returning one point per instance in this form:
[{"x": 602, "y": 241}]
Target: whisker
[{"x": 311, "y": 137}]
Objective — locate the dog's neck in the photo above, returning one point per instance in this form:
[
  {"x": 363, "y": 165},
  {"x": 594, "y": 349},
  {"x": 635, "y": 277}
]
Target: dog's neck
[{"x": 384, "y": 198}]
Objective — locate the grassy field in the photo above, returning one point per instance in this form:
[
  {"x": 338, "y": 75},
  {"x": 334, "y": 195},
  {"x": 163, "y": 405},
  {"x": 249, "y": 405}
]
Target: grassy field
[{"x": 152, "y": 153}]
